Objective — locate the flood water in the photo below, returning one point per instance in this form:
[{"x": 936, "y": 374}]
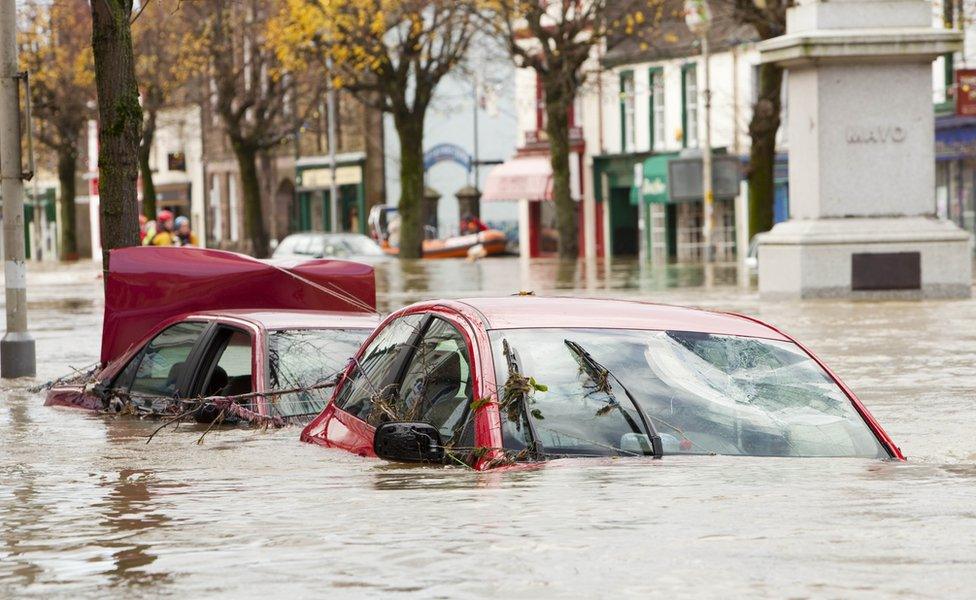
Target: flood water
[{"x": 88, "y": 509}]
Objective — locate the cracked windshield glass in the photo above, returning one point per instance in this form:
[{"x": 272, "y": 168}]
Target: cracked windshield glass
[{"x": 703, "y": 394}]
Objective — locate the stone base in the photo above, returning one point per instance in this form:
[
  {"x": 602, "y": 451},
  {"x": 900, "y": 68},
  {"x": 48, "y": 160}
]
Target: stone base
[
  {"x": 802, "y": 259},
  {"x": 17, "y": 356}
]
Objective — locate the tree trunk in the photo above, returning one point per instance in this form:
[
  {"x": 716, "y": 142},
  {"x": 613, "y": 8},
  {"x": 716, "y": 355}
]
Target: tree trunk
[
  {"x": 374, "y": 176},
  {"x": 254, "y": 231},
  {"x": 120, "y": 119},
  {"x": 67, "y": 161},
  {"x": 145, "y": 170},
  {"x": 557, "y": 129},
  {"x": 410, "y": 130},
  {"x": 762, "y": 154}
]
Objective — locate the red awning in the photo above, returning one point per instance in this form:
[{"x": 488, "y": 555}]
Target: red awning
[{"x": 526, "y": 178}]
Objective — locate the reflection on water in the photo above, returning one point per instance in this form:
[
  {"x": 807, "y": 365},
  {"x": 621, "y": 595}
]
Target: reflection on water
[{"x": 87, "y": 509}]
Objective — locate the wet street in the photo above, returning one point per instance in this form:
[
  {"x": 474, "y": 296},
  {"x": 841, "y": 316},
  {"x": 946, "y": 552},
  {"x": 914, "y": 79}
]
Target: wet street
[{"x": 88, "y": 509}]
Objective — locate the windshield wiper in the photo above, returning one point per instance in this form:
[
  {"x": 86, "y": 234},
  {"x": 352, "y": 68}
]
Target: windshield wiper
[
  {"x": 513, "y": 369},
  {"x": 601, "y": 377}
]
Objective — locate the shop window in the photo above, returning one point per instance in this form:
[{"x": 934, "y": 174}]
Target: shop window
[
  {"x": 656, "y": 85},
  {"x": 689, "y": 94},
  {"x": 627, "y": 120},
  {"x": 176, "y": 161}
]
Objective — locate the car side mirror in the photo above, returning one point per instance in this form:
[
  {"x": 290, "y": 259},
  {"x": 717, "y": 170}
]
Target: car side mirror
[{"x": 408, "y": 442}]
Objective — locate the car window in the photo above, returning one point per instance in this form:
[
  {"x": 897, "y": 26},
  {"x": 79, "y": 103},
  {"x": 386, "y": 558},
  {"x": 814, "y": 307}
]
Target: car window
[
  {"x": 436, "y": 387},
  {"x": 231, "y": 376},
  {"x": 703, "y": 393},
  {"x": 286, "y": 246},
  {"x": 372, "y": 378},
  {"x": 157, "y": 369},
  {"x": 301, "y": 244},
  {"x": 316, "y": 246},
  {"x": 304, "y": 358}
]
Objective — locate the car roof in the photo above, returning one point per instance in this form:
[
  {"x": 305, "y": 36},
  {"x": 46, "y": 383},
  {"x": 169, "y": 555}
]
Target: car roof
[
  {"x": 299, "y": 319},
  {"x": 526, "y": 312}
]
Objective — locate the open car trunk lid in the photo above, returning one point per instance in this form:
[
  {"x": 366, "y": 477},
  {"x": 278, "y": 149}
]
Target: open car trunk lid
[{"x": 147, "y": 285}]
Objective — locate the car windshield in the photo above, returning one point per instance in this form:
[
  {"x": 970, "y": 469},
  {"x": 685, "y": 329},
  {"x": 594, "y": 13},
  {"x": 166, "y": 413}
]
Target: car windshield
[
  {"x": 304, "y": 358},
  {"x": 702, "y": 393},
  {"x": 360, "y": 245}
]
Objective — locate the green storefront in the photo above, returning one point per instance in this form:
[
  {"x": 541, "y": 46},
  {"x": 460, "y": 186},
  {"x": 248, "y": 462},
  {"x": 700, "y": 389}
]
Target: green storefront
[
  {"x": 312, "y": 210},
  {"x": 668, "y": 188},
  {"x": 620, "y": 182}
]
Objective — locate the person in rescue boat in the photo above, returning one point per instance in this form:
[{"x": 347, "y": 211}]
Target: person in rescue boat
[
  {"x": 162, "y": 234},
  {"x": 184, "y": 236},
  {"x": 472, "y": 224}
]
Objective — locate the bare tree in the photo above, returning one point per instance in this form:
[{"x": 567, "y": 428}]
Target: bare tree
[
  {"x": 391, "y": 55},
  {"x": 165, "y": 49},
  {"x": 55, "y": 48},
  {"x": 259, "y": 103},
  {"x": 556, "y": 38},
  {"x": 768, "y": 18}
]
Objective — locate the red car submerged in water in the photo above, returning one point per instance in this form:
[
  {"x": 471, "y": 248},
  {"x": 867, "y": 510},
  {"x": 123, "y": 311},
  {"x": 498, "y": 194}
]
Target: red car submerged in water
[
  {"x": 500, "y": 381},
  {"x": 189, "y": 323}
]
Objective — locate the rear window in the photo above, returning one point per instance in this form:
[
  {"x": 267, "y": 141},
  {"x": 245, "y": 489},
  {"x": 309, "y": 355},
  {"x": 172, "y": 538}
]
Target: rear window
[{"x": 304, "y": 359}]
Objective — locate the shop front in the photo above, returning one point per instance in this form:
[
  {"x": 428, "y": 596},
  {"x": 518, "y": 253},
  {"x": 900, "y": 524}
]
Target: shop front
[
  {"x": 668, "y": 192},
  {"x": 312, "y": 210},
  {"x": 617, "y": 204},
  {"x": 527, "y": 180},
  {"x": 955, "y": 169}
]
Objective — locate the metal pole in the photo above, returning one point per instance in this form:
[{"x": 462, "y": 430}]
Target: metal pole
[
  {"x": 333, "y": 186},
  {"x": 17, "y": 358},
  {"x": 477, "y": 183},
  {"x": 708, "y": 230}
]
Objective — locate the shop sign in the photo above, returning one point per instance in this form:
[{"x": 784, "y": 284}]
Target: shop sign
[
  {"x": 966, "y": 92},
  {"x": 685, "y": 178},
  {"x": 322, "y": 177}
]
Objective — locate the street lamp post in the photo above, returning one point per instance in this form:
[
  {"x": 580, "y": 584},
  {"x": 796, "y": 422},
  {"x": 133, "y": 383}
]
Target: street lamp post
[
  {"x": 698, "y": 17},
  {"x": 334, "y": 186},
  {"x": 17, "y": 356}
]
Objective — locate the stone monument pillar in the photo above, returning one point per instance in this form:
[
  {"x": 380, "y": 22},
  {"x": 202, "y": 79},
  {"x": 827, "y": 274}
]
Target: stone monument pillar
[
  {"x": 468, "y": 201},
  {"x": 429, "y": 208},
  {"x": 860, "y": 133}
]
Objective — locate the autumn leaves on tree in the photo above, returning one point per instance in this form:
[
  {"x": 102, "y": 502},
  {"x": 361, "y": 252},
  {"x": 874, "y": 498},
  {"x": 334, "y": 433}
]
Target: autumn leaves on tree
[
  {"x": 264, "y": 65},
  {"x": 55, "y": 46},
  {"x": 390, "y": 54}
]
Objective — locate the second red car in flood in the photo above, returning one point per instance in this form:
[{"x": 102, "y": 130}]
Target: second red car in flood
[{"x": 521, "y": 379}]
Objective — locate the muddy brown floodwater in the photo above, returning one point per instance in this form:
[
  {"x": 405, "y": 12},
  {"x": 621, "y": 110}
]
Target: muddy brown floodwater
[{"x": 88, "y": 509}]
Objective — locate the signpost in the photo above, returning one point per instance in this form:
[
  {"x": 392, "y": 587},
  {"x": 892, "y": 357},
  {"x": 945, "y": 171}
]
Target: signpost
[{"x": 17, "y": 356}]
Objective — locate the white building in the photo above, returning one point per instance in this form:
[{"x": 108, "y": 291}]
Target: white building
[{"x": 176, "y": 160}]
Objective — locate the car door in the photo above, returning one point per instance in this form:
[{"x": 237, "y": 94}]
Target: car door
[
  {"x": 159, "y": 371},
  {"x": 416, "y": 369},
  {"x": 225, "y": 367},
  {"x": 436, "y": 384},
  {"x": 366, "y": 387}
]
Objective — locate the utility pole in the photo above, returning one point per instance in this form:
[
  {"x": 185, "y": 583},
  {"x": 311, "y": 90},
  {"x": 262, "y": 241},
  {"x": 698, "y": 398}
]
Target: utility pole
[
  {"x": 334, "y": 186},
  {"x": 698, "y": 17},
  {"x": 477, "y": 159},
  {"x": 707, "y": 192},
  {"x": 17, "y": 355}
]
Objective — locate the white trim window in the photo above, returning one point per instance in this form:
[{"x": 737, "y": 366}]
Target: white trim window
[
  {"x": 628, "y": 130},
  {"x": 690, "y": 82},
  {"x": 659, "y": 136}
]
